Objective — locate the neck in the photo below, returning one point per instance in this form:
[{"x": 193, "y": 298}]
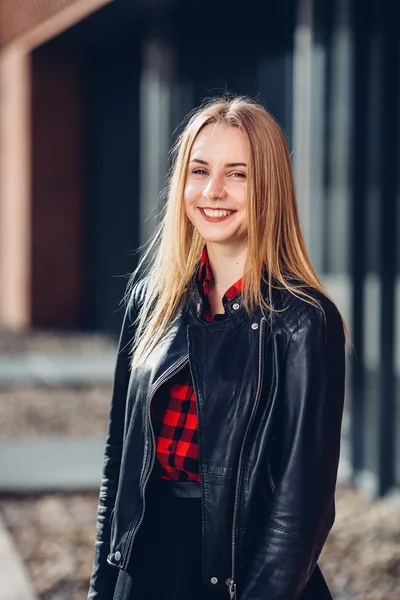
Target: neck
[{"x": 227, "y": 264}]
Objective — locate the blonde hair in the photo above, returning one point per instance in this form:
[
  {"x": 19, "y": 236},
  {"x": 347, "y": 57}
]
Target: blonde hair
[{"x": 275, "y": 247}]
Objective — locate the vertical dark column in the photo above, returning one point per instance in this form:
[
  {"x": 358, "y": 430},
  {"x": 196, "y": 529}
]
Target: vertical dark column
[
  {"x": 358, "y": 226},
  {"x": 273, "y": 61},
  {"x": 324, "y": 21},
  {"x": 274, "y": 84},
  {"x": 57, "y": 233},
  {"x": 255, "y": 60},
  {"x": 111, "y": 95},
  {"x": 388, "y": 241}
]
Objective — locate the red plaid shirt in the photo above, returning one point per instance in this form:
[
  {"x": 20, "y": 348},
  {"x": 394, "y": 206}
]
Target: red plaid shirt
[{"x": 173, "y": 409}]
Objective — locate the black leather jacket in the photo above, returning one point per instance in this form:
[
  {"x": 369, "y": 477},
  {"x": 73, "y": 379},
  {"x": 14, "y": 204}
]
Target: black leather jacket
[{"x": 269, "y": 395}]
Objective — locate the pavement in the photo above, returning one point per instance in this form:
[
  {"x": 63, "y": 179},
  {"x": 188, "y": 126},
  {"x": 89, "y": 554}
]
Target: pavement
[
  {"x": 51, "y": 463},
  {"x": 15, "y": 582}
]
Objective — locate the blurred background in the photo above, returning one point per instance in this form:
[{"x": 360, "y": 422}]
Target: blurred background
[{"x": 92, "y": 93}]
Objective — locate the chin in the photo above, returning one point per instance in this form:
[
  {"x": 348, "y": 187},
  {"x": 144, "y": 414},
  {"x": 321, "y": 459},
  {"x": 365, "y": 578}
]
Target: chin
[{"x": 218, "y": 239}]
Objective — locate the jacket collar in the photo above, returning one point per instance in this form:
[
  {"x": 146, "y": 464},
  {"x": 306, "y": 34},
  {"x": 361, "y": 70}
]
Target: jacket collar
[
  {"x": 232, "y": 297},
  {"x": 196, "y": 301}
]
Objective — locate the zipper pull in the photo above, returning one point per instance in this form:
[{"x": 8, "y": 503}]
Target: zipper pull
[{"x": 232, "y": 588}]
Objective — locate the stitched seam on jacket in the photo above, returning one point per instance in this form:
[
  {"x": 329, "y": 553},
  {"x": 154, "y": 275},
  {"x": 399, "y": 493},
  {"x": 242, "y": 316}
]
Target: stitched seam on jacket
[
  {"x": 282, "y": 323},
  {"x": 299, "y": 319},
  {"x": 297, "y": 535},
  {"x": 310, "y": 314}
]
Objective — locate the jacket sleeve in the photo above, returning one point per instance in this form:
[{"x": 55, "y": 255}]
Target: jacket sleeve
[
  {"x": 303, "y": 506},
  {"x": 104, "y": 576}
]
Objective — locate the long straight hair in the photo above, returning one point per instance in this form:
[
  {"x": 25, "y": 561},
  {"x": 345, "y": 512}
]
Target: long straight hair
[{"x": 276, "y": 251}]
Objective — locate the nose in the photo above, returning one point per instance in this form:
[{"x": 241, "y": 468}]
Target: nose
[{"x": 215, "y": 189}]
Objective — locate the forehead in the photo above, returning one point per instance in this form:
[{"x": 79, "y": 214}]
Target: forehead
[{"x": 219, "y": 140}]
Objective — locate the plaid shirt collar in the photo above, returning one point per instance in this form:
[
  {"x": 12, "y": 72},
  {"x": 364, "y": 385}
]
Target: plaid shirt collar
[{"x": 205, "y": 277}]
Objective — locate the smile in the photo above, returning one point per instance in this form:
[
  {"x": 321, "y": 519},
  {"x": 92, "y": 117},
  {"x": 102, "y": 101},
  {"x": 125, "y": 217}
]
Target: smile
[{"x": 218, "y": 214}]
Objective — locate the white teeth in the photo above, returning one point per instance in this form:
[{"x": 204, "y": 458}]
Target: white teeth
[{"x": 216, "y": 213}]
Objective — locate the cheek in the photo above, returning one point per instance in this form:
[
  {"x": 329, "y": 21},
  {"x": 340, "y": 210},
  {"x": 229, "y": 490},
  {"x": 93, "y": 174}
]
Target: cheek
[
  {"x": 190, "y": 195},
  {"x": 188, "y": 202},
  {"x": 244, "y": 201}
]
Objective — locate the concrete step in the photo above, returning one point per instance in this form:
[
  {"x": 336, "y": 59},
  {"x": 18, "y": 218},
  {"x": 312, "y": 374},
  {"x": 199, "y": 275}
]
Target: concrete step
[
  {"x": 51, "y": 464},
  {"x": 37, "y": 369}
]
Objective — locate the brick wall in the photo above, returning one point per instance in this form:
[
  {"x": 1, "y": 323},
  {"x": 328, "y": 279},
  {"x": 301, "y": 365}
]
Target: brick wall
[
  {"x": 57, "y": 219},
  {"x": 18, "y": 17}
]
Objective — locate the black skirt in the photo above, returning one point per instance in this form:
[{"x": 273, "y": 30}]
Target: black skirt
[{"x": 165, "y": 563}]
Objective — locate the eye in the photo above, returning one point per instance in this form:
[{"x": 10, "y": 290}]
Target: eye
[
  {"x": 237, "y": 173},
  {"x": 199, "y": 172}
]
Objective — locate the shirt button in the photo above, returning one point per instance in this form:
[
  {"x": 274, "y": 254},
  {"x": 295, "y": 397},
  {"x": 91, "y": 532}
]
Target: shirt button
[
  {"x": 117, "y": 556},
  {"x": 170, "y": 447},
  {"x": 214, "y": 580},
  {"x": 254, "y": 326},
  {"x": 235, "y": 306}
]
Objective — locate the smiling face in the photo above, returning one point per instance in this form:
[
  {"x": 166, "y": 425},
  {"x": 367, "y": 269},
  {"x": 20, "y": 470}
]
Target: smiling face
[{"x": 216, "y": 184}]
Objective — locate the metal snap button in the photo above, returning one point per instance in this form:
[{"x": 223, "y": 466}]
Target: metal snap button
[
  {"x": 254, "y": 325},
  {"x": 235, "y": 306},
  {"x": 117, "y": 555},
  {"x": 214, "y": 580}
]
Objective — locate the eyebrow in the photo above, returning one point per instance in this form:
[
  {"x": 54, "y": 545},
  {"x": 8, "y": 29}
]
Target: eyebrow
[{"x": 204, "y": 162}]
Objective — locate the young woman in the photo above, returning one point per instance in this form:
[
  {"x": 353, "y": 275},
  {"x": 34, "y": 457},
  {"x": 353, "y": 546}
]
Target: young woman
[{"x": 223, "y": 440}]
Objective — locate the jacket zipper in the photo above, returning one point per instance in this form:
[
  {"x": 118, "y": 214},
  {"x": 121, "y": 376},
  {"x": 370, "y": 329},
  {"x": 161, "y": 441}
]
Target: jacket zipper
[
  {"x": 172, "y": 370},
  {"x": 231, "y": 583}
]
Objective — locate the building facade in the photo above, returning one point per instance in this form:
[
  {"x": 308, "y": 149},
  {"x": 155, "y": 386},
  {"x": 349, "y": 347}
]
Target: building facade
[{"x": 91, "y": 95}]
